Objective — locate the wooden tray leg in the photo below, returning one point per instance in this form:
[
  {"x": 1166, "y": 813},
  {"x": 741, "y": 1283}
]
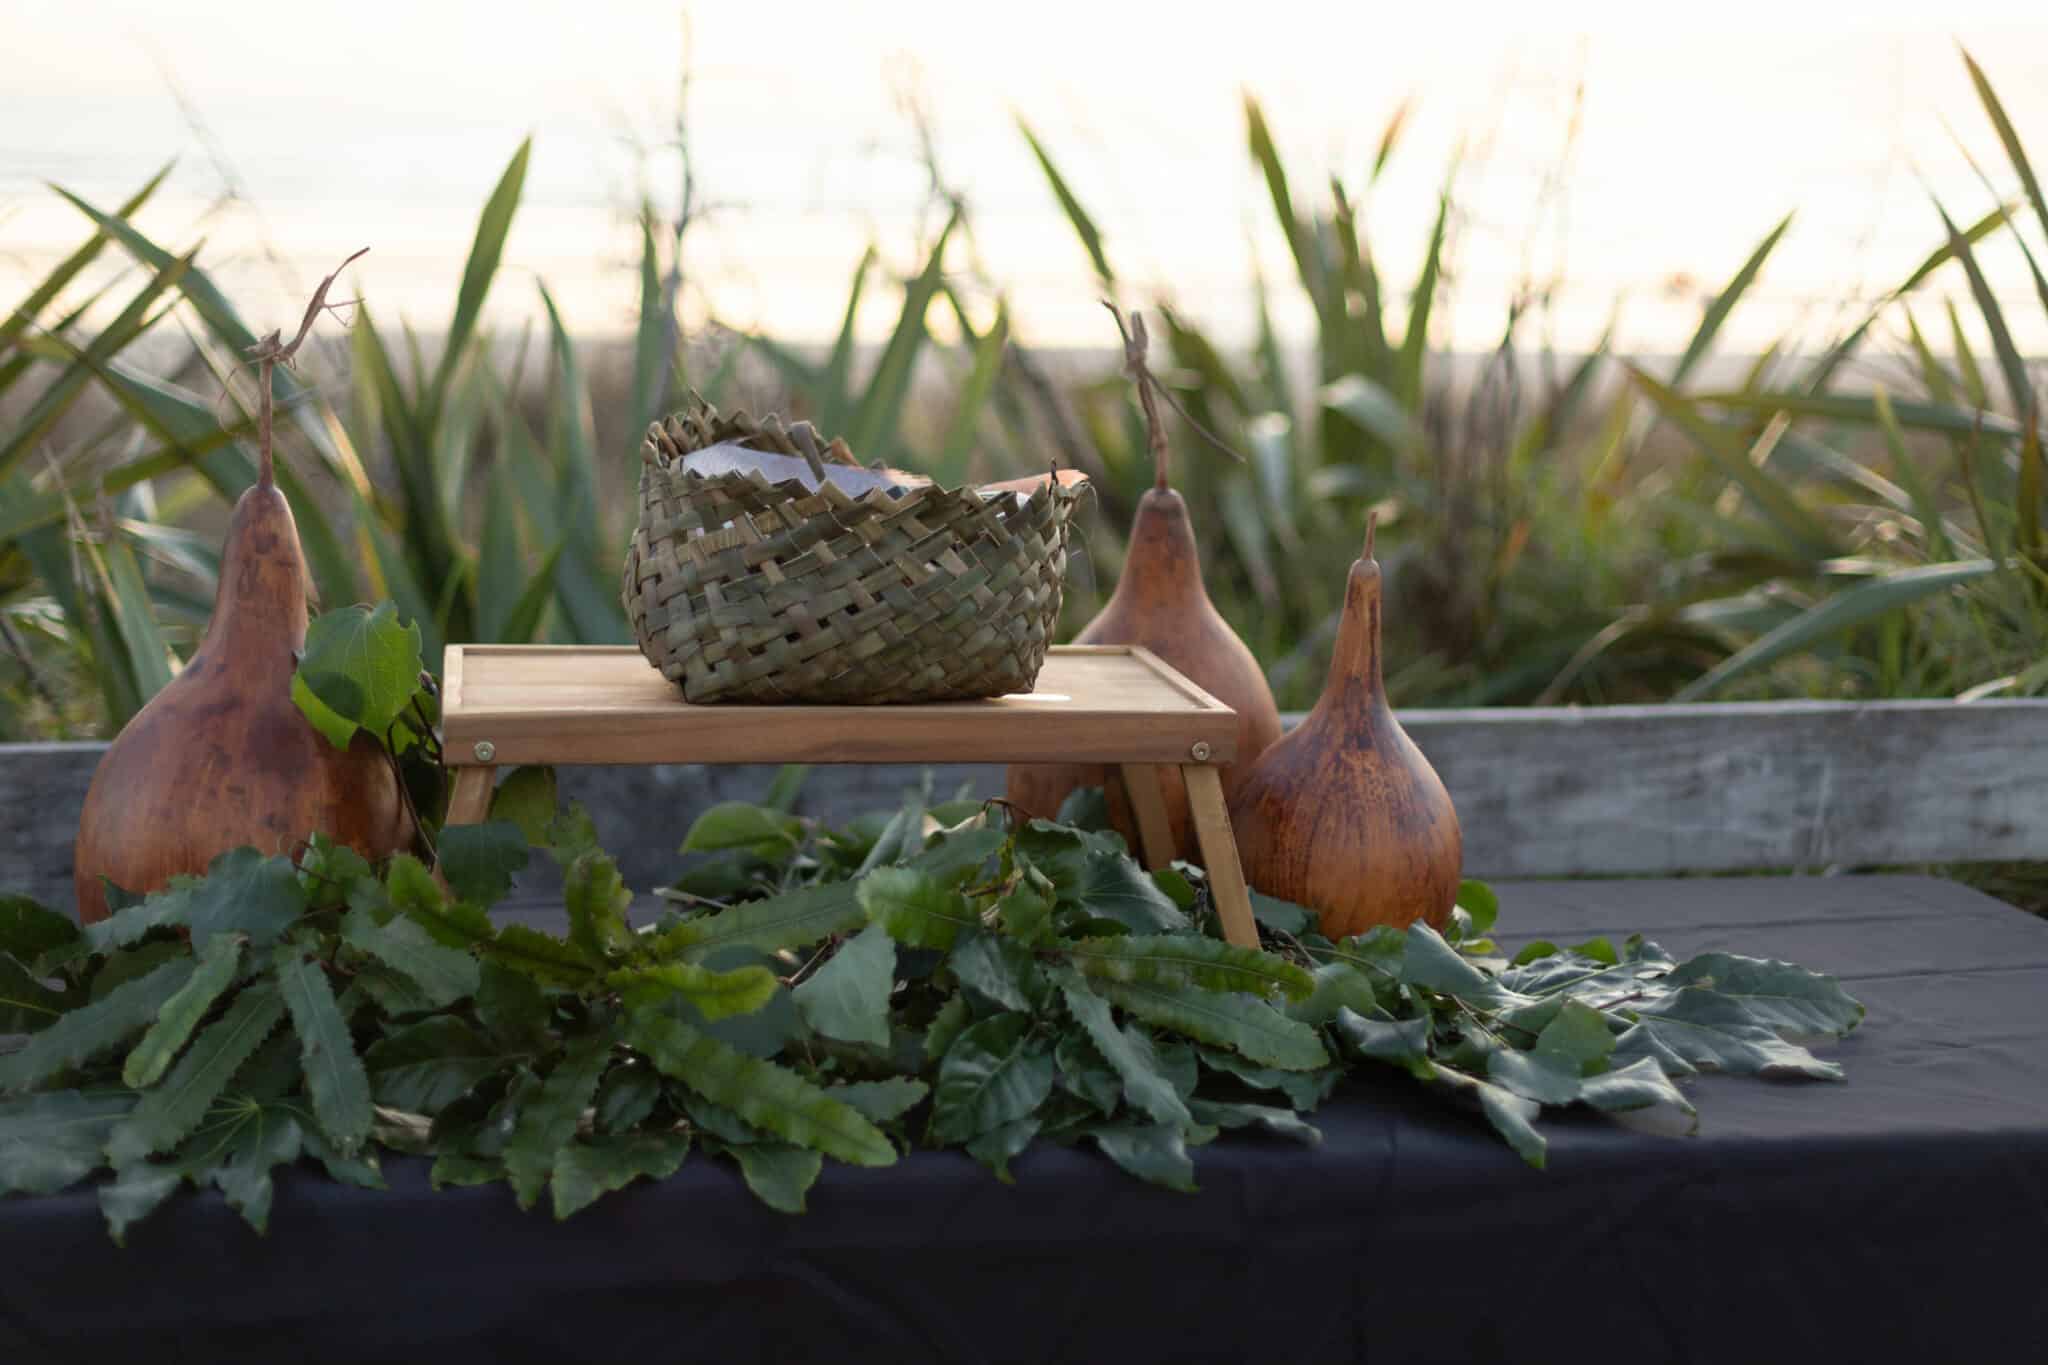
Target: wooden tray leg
[
  {"x": 1219, "y": 854},
  {"x": 470, "y": 802},
  {"x": 1148, "y": 806}
]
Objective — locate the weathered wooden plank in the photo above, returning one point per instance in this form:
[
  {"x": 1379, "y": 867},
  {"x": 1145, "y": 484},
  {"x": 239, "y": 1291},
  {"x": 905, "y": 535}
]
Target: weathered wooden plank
[{"x": 1540, "y": 792}]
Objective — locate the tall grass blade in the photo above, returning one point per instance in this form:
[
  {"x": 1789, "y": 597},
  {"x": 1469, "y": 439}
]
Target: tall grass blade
[
  {"x": 2015, "y": 151},
  {"x": 957, "y": 454},
  {"x": 1838, "y": 613},
  {"x": 2009, "y": 361},
  {"x": 485, "y": 252},
  {"x": 834, "y": 387},
  {"x": 1077, "y": 216},
  {"x": 1724, "y": 303},
  {"x": 872, "y": 432},
  {"x": 1850, "y": 407},
  {"x": 68, "y": 269},
  {"x": 1415, "y": 335},
  {"x": 653, "y": 362},
  {"x": 1925, "y": 508}
]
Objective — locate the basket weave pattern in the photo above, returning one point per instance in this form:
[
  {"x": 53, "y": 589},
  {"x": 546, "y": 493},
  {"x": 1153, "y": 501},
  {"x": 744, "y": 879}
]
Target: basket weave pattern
[{"x": 744, "y": 590}]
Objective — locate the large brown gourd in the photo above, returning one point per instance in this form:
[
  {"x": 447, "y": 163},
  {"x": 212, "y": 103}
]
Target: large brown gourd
[
  {"x": 1161, "y": 604},
  {"x": 222, "y": 756},
  {"x": 1344, "y": 815}
]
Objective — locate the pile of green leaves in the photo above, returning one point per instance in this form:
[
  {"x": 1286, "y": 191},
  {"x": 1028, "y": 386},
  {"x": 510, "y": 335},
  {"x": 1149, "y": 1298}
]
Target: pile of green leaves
[{"x": 927, "y": 978}]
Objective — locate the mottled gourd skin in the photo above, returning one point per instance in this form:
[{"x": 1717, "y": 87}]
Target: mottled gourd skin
[
  {"x": 1161, "y": 604},
  {"x": 1344, "y": 815},
  {"x": 222, "y": 757}
]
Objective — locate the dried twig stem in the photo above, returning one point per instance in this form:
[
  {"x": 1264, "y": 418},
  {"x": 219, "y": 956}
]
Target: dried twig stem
[{"x": 267, "y": 353}]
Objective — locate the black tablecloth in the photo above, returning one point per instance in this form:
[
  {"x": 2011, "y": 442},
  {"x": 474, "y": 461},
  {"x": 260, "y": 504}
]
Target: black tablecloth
[{"x": 1898, "y": 1216}]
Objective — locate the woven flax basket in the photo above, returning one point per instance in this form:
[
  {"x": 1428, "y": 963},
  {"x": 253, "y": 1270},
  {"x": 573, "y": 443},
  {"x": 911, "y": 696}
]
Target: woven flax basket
[{"x": 769, "y": 566}]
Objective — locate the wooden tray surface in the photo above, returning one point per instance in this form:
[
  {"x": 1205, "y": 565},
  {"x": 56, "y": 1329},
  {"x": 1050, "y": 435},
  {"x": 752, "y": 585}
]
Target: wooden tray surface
[{"x": 607, "y": 704}]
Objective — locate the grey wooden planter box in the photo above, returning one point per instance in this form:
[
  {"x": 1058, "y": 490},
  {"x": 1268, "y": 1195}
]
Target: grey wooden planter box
[{"x": 1541, "y": 792}]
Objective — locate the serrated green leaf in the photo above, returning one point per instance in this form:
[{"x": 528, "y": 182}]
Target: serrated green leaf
[
  {"x": 716, "y": 995},
  {"x": 174, "y": 1024},
  {"x": 1154, "y": 1152},
  {"x": 241, "y": 1149},
  {"x": 1336, "y": 985},
  {"x": 882, "y": 1101},
  {"x": 626, "y": 1098},
  {"x": 741, "y": 824},
  {"x": 443, "y": 975},
  {"x": 90, "y": 1030},
  {"x": 1239, "y": 1022},
  {"x": 1305, "y": 1090},
  {"x": 27, "y": 1005},
  {"x": 1718, "y": 1033},
  {"x": 947, "y": 1025},
  {"x": 1435, "y": 965},
  {"x": 1112, "y": 886},
  {"x": 779, "y": 1175},
  {"x": 1266, "y": 1118},
  {"x": 336, "y": 1082},
  {"x": 848, "y": 997},
  {"x": 1546, "y": 1079},
  {"x": 171, "y": 1112},
  {"x": 426, "y": 1067},
  {"x": 133, "y": 1194},
  {"x": 1085, "y": 1075},
  {"x": 996, "y": 1071},
  {"x": 547, "y": 1124},
  {"x": 1189, "y": 960},
  {"x": 480, "y": 861},
  {"x": 512, "y": 1005},
  {"x": 1285, "y": 916},
  {"x": 528, "y": 797},
  {"x": 1129, "y": 1054},
  {"x": 541, "y": 956},
  {"x": 589, "y": 1169},
  {"x": 362, "y": 664},
  {"x": 29, "y": 929},
  {"x": 243, "y": 892},
  {"x": 461, "y": 1170},
  {"x": 794, "y": 919},
  {"x": 1401, "y": 1042},
  {"x": 998, "y": 970},
  {"x": 915, "y": 908},
  {"x": 769, "y": 1096},
  {"x": 53, "y": 1140},
  {"x": 597, "y": 901},
  {"x": 1512, "y": 1116},
  {"x": 1639, "y": 1085},
  {"x": 1779, "y": 995},
  {"x": 1478, "y": 901},
  {"x": 999, "y": 1146}
]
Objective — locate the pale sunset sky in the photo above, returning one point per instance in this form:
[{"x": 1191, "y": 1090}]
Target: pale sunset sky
[{"x": 386, "y": 123}]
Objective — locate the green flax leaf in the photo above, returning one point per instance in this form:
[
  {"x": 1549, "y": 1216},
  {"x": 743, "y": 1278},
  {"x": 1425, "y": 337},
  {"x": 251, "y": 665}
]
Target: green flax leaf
[
  {"x": 181, "y": 1014},
  {"x": 172, "y": 1111},
  {"x": 768, "y": 1096},
  {"x": 335, "y": 1079}
]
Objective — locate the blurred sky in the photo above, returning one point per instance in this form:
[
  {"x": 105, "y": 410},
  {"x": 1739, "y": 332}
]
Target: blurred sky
[{"x": 385, "y": 122}]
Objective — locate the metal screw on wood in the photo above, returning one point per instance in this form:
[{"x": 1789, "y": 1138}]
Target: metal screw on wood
[
  {"x": 485, "y": 751},
  {"x": 1200, "y": 751}
]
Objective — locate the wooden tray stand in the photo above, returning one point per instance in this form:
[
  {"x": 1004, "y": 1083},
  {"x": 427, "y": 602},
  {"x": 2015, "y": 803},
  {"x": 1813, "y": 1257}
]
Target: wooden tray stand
[{"x": 504, "y": 705}]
